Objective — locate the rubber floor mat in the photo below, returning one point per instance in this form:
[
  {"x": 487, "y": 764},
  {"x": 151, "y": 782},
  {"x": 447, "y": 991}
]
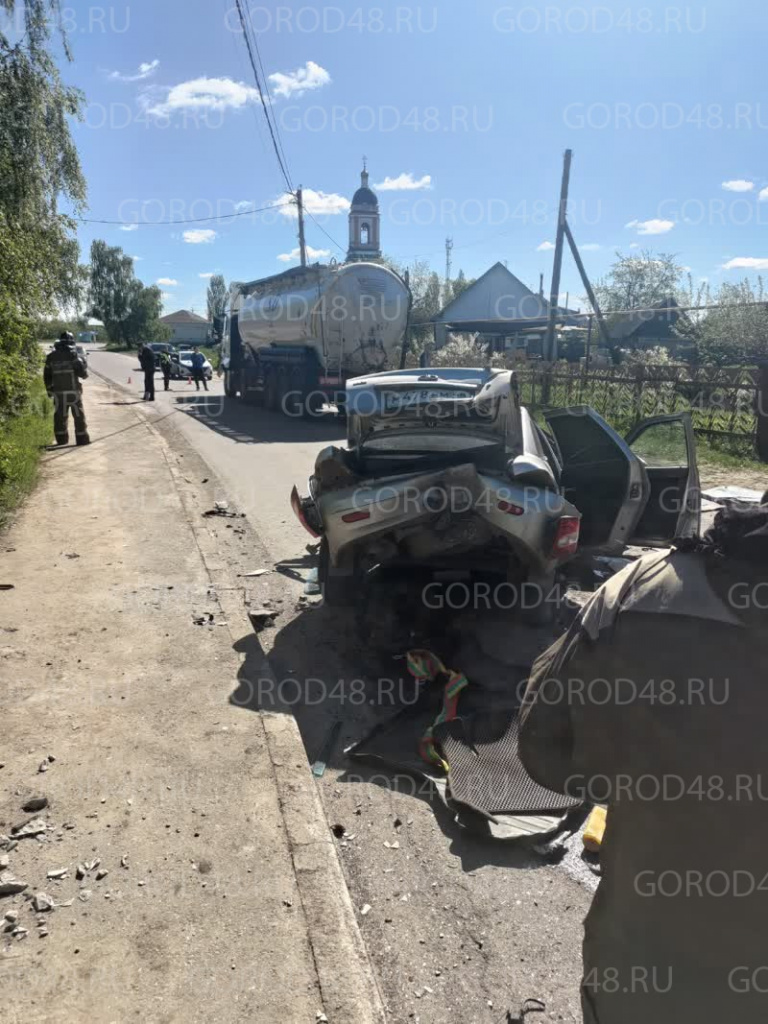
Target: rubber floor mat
[{"x": 486, "y": 773}]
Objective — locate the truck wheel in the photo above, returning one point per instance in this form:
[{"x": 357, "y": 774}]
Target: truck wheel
[
  {"x": 291, "y": 400},
  {"x": 272, "y": 391},
  {"x": 313, "y": 404},
  {"x": 230, "y": 384},
  {"x": 338, "y": 587}
]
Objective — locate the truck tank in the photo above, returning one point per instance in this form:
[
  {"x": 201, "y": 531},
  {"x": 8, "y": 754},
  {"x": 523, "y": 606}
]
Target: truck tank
[{"x": 351, "y": 315}]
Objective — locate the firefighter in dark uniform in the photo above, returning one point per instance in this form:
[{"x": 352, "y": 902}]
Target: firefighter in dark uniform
[
  {"x": 64, "y": 370},
  {"x": 148, "y": 365}
]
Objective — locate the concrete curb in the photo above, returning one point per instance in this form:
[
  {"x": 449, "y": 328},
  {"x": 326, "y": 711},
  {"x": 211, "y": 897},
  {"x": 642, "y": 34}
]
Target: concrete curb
[{"x": 347, "y": 981}]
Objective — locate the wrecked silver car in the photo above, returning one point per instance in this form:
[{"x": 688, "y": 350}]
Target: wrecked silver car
[{"x": 445, "y": 470}]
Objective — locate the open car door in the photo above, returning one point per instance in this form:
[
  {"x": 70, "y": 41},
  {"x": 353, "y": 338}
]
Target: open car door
[
  {"x": 642, "y": 490},
  {"x": 667, "y": 448}
]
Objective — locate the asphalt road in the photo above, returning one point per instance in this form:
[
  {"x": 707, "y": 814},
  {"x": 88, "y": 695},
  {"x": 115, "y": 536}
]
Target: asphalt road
[{"x": 460, "y": 927}]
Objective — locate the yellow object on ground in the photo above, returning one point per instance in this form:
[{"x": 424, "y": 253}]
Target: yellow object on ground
[{"x": 593, "y": 833}]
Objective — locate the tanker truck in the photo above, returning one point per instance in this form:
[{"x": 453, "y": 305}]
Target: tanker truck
[{"x": 291, "y": 341}]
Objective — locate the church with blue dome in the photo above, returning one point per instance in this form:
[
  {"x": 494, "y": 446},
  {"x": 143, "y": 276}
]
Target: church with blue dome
[{"x": 364, "y": 223}]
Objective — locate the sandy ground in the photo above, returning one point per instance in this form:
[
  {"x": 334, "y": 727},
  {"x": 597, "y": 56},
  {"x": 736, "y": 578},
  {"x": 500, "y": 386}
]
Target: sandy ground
[{"x": 116, "y": 709}]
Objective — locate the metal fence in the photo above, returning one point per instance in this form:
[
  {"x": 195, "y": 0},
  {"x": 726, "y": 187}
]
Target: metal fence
[{"x": 723, "y": 403}]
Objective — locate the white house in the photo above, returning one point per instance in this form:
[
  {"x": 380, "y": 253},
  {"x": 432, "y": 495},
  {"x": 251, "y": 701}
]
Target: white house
[{"x": 188, "y": 328}]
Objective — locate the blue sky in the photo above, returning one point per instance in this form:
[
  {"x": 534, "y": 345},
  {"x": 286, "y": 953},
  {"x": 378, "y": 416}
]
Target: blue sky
[{"x": 465, "y": 108}]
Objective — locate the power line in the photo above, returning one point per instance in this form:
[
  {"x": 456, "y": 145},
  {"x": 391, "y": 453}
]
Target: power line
[
  {"x": 265, "y": 79},
  {"x": 252, "y": 58},
  {"x": 330, "y": 237},
  {"x": 191, "y": 220}
]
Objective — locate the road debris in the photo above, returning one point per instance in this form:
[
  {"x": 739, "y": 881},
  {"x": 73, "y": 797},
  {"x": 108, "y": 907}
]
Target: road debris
[
  {"x": 256, "y": 572},
  {"x": 124, "y": 861},
  {"x": 28, "y": 829},
  {"x": 365, "y": 910},
  {"x": 10, "y": 885},
  {"x": 57, "y": 873},
  {"x": 528, "y": 1007},
  {"x": 42, "y": 902},
  {"x": 203, "y": 620},
  {"x": 220, "y": 508},
  {"x": 392, "y": 846},
  {"x": 7, "y": 586},
  {"x": 101, "y": 873},
  {"x": 262, "y": 617},
  {"x": 35, "y": 803}
]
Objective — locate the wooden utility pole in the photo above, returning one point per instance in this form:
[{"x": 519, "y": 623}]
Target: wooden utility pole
[
  {"x": 550, "y": 346},
  {"x": 587, "y": 288},
  {"x": 302, "y": 244}
]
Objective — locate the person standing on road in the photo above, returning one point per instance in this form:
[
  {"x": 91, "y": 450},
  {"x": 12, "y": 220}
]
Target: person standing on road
[
  {"x": 165, "y": 366},
  {"x": 654, "y": 703},
  {"x": 63, "y": 372},
  {"x": 147, "y": 362},
  {"x": 198, "y": 368}
]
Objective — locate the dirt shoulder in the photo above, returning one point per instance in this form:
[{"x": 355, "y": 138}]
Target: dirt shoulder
[{"x": 116, "y": 671}]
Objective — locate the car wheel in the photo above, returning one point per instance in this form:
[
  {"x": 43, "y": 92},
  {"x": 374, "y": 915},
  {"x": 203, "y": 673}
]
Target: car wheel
[{"x": 339, "y": 587}]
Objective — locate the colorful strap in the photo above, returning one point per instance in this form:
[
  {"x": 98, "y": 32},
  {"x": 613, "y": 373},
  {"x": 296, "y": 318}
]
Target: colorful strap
[{"x": 425, "y": 666}]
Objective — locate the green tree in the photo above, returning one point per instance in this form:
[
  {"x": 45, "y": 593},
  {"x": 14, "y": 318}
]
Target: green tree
[
  {"x": 129, "y": 310},
  {"x": 735, "y": 330},
  {"x": 39, "y": 166},
  {"x": 217, "y": 302},
  {"x": 112, "y": 282},
  {"x": 460, "y": 284},
  {"x": 637, "y": 282}
]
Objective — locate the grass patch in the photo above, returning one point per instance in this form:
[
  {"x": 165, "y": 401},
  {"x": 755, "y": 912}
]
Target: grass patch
[{"x": 23, "y": 438}]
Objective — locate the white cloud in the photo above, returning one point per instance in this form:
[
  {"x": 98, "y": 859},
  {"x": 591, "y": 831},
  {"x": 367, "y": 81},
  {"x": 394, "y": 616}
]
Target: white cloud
[
  {"x": 545, "y": 247},
  {"x": 202, "y": 94},
  {"x": 144, "y": 71},
  {"x": 746, "y": 263},
  {"x": 136, "y": 258},
  {"x": 129, "y": 227},
  {"x": 243, "y": 204},
  {"x": 404, "y": 182},
  {"x": 167, "y": 281},
  {"x": 738, "y": 185},
  {"x": 319, "y": 203},
  {"x": 165, "y": 295},
  {"x": 206, "y": 275},
  {"x": 634, "y": 245},
  {"x": 297, "y": 82},
  {"x": 763, "y": 195},
  {"x": 590, "y": 247},
  {"x": 295, "y": 254},
  {"x": 198, "y": 235},
  {"x": 651, "y": 227}
]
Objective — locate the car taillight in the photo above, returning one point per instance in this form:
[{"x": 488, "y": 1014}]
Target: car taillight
[
  {"x": 299, "y": 512},
  {"x": 355, "y": 517},
  {"x": 510, "y": 509},
  {"x": 566, "y": 537}
]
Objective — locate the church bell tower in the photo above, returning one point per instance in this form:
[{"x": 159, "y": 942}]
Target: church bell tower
[{"x": 364, "y": 220}]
